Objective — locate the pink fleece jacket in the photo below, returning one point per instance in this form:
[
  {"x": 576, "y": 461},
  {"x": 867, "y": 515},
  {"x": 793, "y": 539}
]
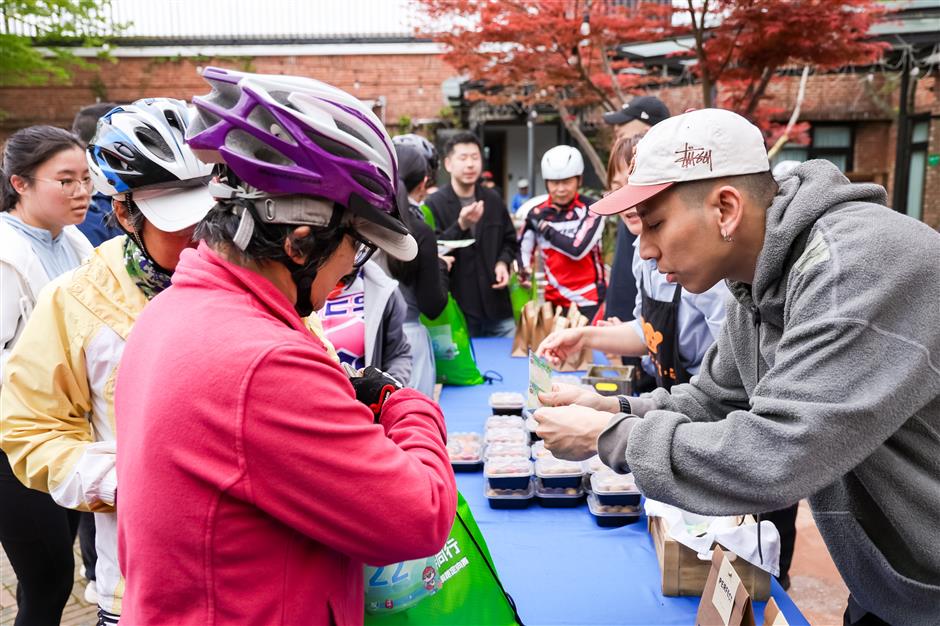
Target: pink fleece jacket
[{"x": 252, "y": 485}]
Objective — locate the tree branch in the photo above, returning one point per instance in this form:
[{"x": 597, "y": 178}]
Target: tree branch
[
  {"x": 758, "y": 92},
  {"x": 614, "y": 80},
  {"x": 785, "y": 137},
  {"x": 583, "y": 141},
  {"x": 698, "y": 31}
]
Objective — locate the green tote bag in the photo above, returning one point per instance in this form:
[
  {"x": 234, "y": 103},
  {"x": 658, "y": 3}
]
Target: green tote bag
[{"x": 456, "y": 587}]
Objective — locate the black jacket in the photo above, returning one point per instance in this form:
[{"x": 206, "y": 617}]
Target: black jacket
[
  {"x": 424, "y": 279},
  {"x": 473, "y": 271}
]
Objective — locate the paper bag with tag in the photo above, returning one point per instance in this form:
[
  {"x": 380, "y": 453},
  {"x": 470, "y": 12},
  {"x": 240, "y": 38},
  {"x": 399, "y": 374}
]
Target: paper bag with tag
[
  {"x": 725, "y": 601},
  {"x": 536, "y": 322}
]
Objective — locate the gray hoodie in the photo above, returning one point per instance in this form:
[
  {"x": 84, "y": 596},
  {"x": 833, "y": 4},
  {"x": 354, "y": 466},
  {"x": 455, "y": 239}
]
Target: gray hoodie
[{"x": 824, "y": 383}]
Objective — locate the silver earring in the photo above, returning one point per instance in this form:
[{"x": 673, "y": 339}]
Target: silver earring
[{"x": 724, "y": 235}]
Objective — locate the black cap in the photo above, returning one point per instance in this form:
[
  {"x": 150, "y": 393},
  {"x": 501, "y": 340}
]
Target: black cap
[
  {"x": 412, "y": 166},
  {"x": 647, "y": 109}
]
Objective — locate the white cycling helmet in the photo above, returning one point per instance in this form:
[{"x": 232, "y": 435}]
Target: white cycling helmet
[
  {"x": 139, "y": 151},
  {"x": 562, "y": 162}
]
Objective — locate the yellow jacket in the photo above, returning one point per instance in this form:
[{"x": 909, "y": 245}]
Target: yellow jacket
[{"x": 57, "y": 399}]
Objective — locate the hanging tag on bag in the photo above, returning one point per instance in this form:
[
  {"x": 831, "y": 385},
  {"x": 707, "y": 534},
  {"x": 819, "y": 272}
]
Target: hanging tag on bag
[{"x": 725, "y": 601}]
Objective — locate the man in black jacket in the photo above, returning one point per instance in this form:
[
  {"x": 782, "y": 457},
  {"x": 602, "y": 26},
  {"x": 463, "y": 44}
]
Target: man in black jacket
[{"x": 466, "y": 210}]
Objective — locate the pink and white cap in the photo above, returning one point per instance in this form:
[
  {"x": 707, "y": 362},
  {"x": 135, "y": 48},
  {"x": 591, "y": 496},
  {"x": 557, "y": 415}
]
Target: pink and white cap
[{"x": 697, "y": 145}]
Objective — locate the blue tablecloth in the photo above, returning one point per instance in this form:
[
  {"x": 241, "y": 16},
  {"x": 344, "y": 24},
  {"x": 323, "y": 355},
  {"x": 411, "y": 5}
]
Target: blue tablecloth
[{"x": 558, "y": 565}]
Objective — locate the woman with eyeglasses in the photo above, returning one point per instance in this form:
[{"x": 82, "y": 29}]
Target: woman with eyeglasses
[
  {"x": 250, "y": 464},
  {"x": 45, "y": 191}
]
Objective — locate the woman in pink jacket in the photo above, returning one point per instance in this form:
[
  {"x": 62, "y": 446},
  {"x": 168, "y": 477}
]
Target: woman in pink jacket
[{"x": 256, "y": 477}]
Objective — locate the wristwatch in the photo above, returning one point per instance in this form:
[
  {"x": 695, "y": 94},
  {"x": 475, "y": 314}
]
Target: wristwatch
[{"x": 624, "y": 405}]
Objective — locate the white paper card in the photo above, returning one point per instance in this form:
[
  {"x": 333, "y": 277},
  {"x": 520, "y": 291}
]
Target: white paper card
[{"x": 726, "y": 588}]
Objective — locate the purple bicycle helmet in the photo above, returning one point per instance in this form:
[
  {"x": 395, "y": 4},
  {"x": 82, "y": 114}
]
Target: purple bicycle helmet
[{"x": 295, "y": 136}]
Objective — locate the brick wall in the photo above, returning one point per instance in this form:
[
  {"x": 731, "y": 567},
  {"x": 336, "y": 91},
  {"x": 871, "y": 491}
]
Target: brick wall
[
  {"x": 932, "y": 183},
  {"x": 411, "y": 84}
]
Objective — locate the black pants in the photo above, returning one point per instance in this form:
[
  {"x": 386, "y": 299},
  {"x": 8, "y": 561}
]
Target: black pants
[
  {"x": 785, "y": 521},
  {"x": 857, "y": 616},
  {"x": 37, "y": 536},
  {"x": 86, "y": 541}
]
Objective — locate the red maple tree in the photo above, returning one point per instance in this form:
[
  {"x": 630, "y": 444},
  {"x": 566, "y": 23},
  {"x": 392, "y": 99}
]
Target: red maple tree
[
  {"x": 742, "y": 45},
  {"x": 531, "y": 52},
  {"x": 556, "y": 52}
]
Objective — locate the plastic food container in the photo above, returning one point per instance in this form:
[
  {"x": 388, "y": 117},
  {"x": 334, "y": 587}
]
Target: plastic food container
[
  {"x": 506, "y": 435},
  {"x": 504, "y": 421},
  {"x": 557, "y": 497},
  {"x": 559, "y": 474},
  {"x": 539, "y": 451},
  {"x": 506, "y": 450},
  {"x": 508, "y": 473},
  {"x": 594, "y": 464},
  {"x": 609, "y": 516},
  {"x": 614, "y": 489},
  {"x": 465, "y": 451},
  {"x": 530, "y": 424},
  {"x": 507, "y": 403},
  {"x": 510, "y": 498}
]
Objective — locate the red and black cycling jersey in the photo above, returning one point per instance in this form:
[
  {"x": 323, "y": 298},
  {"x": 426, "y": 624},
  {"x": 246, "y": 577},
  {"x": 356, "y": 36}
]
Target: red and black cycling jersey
[{"x": 569, "y": 239}]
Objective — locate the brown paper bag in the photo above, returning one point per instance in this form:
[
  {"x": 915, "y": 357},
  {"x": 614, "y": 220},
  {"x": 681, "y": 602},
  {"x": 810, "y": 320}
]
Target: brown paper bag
[
  {"x": 725, "y": 601},
  {"x": 773, "y": 616},
  {"x": 537, "y": 322},
  {"x": 523, "y": 338}
]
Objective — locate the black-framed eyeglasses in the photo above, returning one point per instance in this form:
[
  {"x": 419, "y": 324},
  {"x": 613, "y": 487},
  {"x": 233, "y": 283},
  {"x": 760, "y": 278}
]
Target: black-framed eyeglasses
[{"x": 364, "y": 249}]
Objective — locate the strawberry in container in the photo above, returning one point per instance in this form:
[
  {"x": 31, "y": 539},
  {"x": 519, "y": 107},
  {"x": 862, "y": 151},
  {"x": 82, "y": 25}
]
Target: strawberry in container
[
  {"x": 508, "y": 473},
  {"x": 465, "y": 451},
  {"x": 556, "y": 473},
  {"x": 510, "y": 498},
  {"x": 612, "y": 515},
  {"x": 557, "y": 497},
  {"x": 613, "y": 489},
  {"x": 503, "y": 421},
  {"x": 507, "y": 403},
  {"x": 506, "y": 435},
  {"x": 506, "y": 450}
]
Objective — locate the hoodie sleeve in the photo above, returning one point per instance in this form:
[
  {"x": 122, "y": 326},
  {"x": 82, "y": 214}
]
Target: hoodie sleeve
[
  {"x": 317, "y": 462},
  {"x": 858, "y": 357},
  {"x": 44, "y": 424},
  {"x": 11, "y": 310}
]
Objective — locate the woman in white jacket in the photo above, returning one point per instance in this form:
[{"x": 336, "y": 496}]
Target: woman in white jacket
[{"x": 46, "y": 189}]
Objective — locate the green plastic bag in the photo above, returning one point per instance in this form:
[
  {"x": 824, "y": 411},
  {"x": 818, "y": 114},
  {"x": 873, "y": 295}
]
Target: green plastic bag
[
  {"x": 454, "y": 362},
  {"x": 519, "y": 295},
  {"x": 456, "y": 587},
  {"x": 428, "y": 216},
  {"x": 453, "y": 353}
]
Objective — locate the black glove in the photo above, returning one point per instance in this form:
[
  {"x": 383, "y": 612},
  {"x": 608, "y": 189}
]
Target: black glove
[
  {"x": 373, "y": 387},
  {"x": 533, "y": 219}
]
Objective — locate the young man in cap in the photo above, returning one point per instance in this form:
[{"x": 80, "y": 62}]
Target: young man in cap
[
  {"x": 636, "y": 117},
  {"x": 825, "y": 380}
]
